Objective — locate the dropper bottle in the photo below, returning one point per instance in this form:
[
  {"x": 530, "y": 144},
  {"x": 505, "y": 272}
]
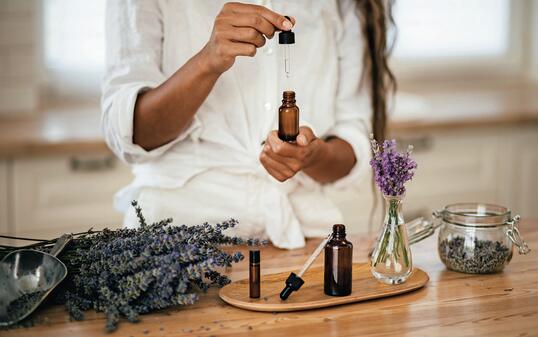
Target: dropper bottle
[
  {"x": 288, "y": 118},
  {"x": 338, "y": 263},
  {"x": 288, "y": 113},
  {"x": 287, "y": 38}
]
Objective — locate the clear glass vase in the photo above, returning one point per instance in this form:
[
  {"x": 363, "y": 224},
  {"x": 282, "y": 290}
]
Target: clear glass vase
[{"x": 391, "y": 261}]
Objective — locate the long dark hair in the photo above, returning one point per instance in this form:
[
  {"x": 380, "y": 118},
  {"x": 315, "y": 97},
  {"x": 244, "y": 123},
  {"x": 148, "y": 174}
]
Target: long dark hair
[{"x": 375, "y": 18}]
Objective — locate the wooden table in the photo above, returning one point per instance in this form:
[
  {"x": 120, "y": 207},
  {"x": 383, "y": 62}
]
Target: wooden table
[{"x": 452, "y": 304}]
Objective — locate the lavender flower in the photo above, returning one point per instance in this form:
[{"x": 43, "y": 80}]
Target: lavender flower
[
  {"x": 127, "y": 272},
  {"x": 392, "y": 169}
]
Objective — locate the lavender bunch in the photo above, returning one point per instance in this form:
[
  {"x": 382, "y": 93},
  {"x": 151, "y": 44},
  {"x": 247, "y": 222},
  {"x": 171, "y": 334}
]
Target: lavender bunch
[
  {"x": 392, "y": 169},
  {"x": 128, "y": 272},
  {"x": 391, "y": 259}
]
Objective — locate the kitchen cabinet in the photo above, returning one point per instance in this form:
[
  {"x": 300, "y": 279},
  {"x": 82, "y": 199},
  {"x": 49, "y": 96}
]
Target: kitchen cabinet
[
  {"x": 57, "y": 194},
  {"x": 456, "y": 167},
  {"x": 526, "y": 176},
  {"x": 518, "y": 162},
  {"x": 4, "y": 197},
  {"x": 492, "y": 165}
]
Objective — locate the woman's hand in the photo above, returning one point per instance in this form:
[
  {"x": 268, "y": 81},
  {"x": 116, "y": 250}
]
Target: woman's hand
[
  {"x": 238, "y": 30},
  {"x": 283, "y": 160}
]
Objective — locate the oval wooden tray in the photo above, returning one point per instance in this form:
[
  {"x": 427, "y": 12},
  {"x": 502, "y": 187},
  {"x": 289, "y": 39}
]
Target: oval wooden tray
[{"x": 311, "y": 295}]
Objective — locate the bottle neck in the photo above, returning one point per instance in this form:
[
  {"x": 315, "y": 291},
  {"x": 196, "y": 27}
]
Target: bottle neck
[
  {"x": 288, "y": 98},
  {"x": 339, "y": 232}
]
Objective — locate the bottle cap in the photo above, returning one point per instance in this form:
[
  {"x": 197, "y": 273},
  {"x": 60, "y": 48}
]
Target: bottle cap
[{"x": 287, "y": 36}]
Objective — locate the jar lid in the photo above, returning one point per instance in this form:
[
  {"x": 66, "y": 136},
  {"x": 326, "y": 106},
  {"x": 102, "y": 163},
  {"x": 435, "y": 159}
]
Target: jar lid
[{"x": 475, "y": 214}]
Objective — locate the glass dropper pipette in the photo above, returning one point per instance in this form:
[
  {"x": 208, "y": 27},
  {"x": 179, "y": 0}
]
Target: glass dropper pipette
[
  {"x": 287, "y": 38},
  {"x": 287, "y": 60}
]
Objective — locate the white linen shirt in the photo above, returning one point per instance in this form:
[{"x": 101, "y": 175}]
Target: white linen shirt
[{"x": 147, "y": 41}]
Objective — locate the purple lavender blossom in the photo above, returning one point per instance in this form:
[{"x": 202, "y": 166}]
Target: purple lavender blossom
[{"x": 392, "y": 169}]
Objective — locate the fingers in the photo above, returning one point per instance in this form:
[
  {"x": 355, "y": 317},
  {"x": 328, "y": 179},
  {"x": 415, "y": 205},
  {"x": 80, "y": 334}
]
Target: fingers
[
  {"x": 293, "y": 21},
  {"x": 283, "y": 160},
  {"x": 229, "y": 50},
  {"x": 305, "y": 136},
  {"x": 255, "y": 21},
  {"x": 286, "y": 149},
  {"x": 243, "y": 49},
  {"x": 236, "y": 26},
  {"x": 247, "y": 35},
  {"x": 278, "y": 170},
  {"x": 274, "y": 18},
  {"x": 293, "y": 164},
  {"x": 280, "y": 147}
]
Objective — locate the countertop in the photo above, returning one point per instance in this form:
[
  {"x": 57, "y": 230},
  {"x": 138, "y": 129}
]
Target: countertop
[
  {"x": 76, "y": 129},
  {"x": 451, "y": 304},
  {"x": 56, "y": 131}
]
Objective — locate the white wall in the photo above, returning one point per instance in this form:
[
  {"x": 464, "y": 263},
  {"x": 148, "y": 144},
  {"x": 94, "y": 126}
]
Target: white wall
[
  {"x": 19, "y": 48},
  {"x": 533, "y": 45}
]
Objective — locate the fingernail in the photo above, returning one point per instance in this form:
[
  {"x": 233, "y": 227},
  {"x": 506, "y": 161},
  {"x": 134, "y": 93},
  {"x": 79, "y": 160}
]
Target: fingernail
[{"x": 287, "y": 24}]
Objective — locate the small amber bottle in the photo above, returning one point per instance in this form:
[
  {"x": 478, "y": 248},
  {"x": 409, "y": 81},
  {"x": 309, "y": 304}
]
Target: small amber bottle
[
  {"x": 338, "y": 263},
  {"x": 254, "y": 273},
  {"x": 288, "y": 118}
]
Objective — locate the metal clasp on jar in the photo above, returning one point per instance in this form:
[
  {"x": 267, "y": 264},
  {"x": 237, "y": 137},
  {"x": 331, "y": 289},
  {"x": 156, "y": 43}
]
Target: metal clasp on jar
[
  {"x": 515, "y": 237},
  {"x": 420, "y": 228}
]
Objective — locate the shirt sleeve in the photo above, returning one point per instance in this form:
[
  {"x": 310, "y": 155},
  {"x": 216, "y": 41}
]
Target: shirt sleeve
[
  {"x": 352, "y": 115},
  {"x": 134, "y": 46}
]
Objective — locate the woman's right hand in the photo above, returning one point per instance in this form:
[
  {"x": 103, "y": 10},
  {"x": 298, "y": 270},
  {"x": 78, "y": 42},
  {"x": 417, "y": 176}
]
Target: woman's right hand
[{"x": 238, "y": 30}]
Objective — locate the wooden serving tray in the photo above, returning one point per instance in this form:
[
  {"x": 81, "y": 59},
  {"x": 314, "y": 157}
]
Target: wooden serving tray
[{"x": 311, "y": 295}]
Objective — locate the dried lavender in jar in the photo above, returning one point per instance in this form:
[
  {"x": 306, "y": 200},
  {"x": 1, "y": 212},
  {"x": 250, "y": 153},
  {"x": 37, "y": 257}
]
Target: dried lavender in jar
[{"x": 485, "y": 257}]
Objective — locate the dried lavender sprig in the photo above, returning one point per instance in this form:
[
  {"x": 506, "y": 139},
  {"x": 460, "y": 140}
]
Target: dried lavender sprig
[
  {"x": 128, "y": 272},
  {"x": 139, "y": 215}
]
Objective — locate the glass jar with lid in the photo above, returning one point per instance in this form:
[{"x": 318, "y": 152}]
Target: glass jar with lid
[{"x": 474, "y": 238}]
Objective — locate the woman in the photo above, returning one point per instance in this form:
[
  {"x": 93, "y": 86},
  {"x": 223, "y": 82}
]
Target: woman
[{"x": 189, "y": 104}]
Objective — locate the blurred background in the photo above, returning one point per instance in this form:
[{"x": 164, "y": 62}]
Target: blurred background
[{"x": 467, "y": 101}]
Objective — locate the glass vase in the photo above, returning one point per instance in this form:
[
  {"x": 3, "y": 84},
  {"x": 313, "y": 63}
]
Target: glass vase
[{"x": 391, "y": 261}]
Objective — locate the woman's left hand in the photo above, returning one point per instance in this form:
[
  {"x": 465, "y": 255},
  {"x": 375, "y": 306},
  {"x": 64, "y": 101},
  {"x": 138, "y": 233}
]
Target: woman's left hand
[{"x": 283, "y": 160}]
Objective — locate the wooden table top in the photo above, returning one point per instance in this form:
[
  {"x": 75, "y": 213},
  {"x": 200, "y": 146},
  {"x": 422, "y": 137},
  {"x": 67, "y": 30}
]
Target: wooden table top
[
  {"x": 451, "y": 304},
  {"x": 76, "y": 130}
]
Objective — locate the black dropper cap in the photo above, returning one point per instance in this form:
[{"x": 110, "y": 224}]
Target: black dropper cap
[
  {"x": 286, "y": 36},
  {"x": 293, "y": 283}
]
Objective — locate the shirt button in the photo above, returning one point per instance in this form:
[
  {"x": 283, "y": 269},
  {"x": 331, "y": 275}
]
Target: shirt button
[
  {"x": 267, "y": 106},
  {"x": 268, "y": 50}
]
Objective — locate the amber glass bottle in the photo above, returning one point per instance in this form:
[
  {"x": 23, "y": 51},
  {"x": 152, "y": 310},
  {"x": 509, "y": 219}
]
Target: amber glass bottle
[
  {"x": 254, "y": 273},
  {"x": 338, "y": 263},
  {"x": 288, "y": 118}
]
